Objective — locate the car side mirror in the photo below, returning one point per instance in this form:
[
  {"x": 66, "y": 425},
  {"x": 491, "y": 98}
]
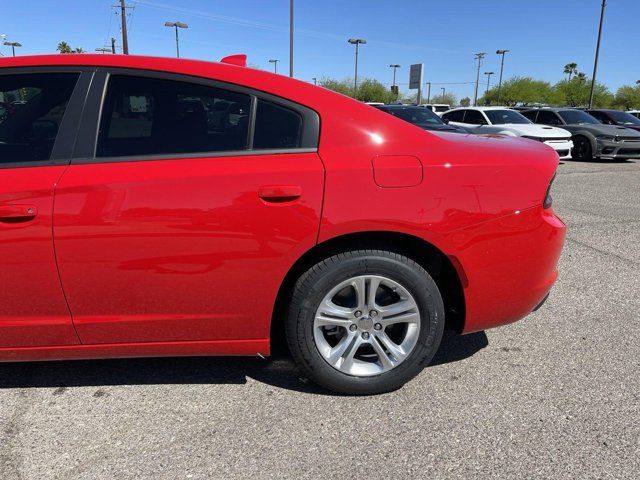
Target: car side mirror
[{"x": 446, "y": 120}]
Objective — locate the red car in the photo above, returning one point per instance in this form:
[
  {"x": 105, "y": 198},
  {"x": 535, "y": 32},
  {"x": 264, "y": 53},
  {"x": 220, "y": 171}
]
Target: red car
[{"x": 161, "y": 207}]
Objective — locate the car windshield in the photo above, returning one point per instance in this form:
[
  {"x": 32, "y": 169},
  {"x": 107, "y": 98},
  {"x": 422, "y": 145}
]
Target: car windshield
[
  {"x": 573, "y": 117},
  {"x": 416, "y": 115},
  {"x": 501, "y": 117},
  {"x": 624, "y": 118}
]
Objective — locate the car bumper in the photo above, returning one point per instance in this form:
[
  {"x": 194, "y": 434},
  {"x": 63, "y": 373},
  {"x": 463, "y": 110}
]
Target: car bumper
[
  {"x": 617, "y": 150},
  {"x": 510, "y": 265},
  {"x": 562, "y": 147}
]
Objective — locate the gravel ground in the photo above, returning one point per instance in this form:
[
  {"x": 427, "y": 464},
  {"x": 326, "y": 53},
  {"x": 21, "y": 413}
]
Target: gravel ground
[{"x": 552, "y": 396}]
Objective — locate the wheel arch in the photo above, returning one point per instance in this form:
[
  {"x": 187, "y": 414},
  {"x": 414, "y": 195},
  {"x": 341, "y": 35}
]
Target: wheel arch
[
  {"x": 589, "y": 136},
  {"x": 441, "y": 268}
]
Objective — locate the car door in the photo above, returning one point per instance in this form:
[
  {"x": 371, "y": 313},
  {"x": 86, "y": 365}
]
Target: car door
[
  {"x": 455, "y": 117},
  {"x": 547, "y": 117},
  {"x": 41, "y": 109},
  {"x": 180, "y": 221}
]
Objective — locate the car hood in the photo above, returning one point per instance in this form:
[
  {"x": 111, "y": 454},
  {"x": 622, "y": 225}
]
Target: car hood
[
  {"x": 602, "y": 129},
  {"x": 533, "y": 130}
]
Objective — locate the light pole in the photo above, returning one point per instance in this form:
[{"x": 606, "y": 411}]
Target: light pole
[
  {"x": 488, "y": 74},
  {"x": 500, "y": 52},
  {"x": 291, "y": 38},
  {"x": 176, "y": 25},
  {"x": 428, "y": 92},
  {"x": 394, "y": 88},
  {"x": 315, "y": 80},
  {"x": 479, "y": 56},
  {"x": 443, "y": 90},
  {"x": 356, "y": 42},
  {"x": 595, "y": 63},
  {"x": 275, "y": 64},
  {"x": 13, "y": 46}
]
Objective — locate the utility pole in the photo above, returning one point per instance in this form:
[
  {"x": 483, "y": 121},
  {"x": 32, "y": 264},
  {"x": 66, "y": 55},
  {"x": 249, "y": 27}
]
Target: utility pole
[
  {"x": 275, "y": 64},
  {"x": 595, "y": 63},
  {"x": 291, "y": 38},
  {"x": 356, "y": 42},
  {"x": 500, "y": 52},
  {"x": 488, "y": 74},
  {"x": 479, "y": 56},
  {"x": 428, "y": 92},
  {"x": 123, "y": 17}
]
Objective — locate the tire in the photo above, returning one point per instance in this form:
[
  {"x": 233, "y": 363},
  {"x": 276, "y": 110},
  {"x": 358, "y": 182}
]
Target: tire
[
  {"x": 582, "y": 150},
  {"x": 377, "y": 358}
]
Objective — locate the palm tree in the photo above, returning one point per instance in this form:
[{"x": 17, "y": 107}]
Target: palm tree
[
  {"x": 581, "y": 76},
  {"x": 63, "y": 47},
  {"x": 570, "y": 69}
]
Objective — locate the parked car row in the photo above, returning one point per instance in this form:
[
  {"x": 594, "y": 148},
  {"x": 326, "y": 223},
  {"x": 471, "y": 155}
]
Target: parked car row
[{"x": 571, "y": 132}]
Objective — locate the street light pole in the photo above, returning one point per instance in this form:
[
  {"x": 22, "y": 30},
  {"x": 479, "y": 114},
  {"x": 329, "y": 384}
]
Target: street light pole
[
  {"x": 488, "y": 74},
  {"x": 13, "y": 46},
  {"x": 595, "y": 63},
  {"x": 479, "y": 57},
  {"x": 443, "y": 90},
  {"x": 315, "y": 80},
  {"x": 394, "y": 66},
  {"x": 275, "y": 64},
  {"x": 356, "y": 42},
  {"x": 291, "y": 38},
  {"x": 500, "y": 52},
  {"x": 176, "y": 25},
  {"x": 428, "y": 92}
]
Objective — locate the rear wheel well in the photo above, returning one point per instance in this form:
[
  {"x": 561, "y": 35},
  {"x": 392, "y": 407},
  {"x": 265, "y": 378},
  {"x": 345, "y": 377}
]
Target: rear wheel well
[{"x": 429, "y": 257}]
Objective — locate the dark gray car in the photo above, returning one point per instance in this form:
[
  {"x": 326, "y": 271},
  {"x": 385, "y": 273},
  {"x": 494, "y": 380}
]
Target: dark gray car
[{"x": 591, "y": 139}]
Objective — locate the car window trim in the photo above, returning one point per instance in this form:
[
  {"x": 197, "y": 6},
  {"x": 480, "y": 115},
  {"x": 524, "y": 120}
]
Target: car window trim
[
  {"x": 63, "y": 146},
  {"x": 86, "y": 145}
]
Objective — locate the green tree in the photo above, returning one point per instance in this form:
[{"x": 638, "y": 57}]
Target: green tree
[
  {"x": 63, "y": 47},
  {"x": 465, "y": 102},
  {"x": 575, "y": 93},
  {"x": 628, "y": 97},
  {"x": 524, "y": 90},
  {"x": 340, "y": 86},
  {"x": 369, "y": 90},
  {"x": 570, "y": 69}
]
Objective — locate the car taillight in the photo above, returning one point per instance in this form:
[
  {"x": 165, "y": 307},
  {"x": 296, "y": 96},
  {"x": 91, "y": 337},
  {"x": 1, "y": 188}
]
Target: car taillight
[{"x": 548, "y": 199}]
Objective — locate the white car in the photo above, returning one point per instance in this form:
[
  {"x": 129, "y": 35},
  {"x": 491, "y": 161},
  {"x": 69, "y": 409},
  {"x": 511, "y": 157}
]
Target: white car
[
  {"x": 437, "y": 108},
  {"x": 635, "y": 113},
  {"x": 504, "y": 121}
]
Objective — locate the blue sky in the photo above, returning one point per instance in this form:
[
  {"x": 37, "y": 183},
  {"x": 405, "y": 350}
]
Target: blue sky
[{"x": 543, "y": 35}]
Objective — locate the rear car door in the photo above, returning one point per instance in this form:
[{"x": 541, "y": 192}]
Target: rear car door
[
  {"x": 38, "y": 120},
  {"x": 179, "y": 219}
]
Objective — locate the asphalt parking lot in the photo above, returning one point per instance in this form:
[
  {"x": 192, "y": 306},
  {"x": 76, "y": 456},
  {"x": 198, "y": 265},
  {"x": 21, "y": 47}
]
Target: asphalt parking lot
[{"x": 553, "y": 396}]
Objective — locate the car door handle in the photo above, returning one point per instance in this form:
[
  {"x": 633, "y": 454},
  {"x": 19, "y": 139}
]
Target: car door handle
[
  {"x": 279, "y": 193},
  {"x": 16, "y": 213}
]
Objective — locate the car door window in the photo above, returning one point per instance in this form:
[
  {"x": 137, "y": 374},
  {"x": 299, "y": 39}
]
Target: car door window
[
  {"x": 548, "y": 118},
  {"x": 602, "y": 117},
  {"x": 31, "y": 110},
  {"x": 454, "y": 116},
  {"x": 276, "y": 127},
  {"x": 474, "y": 117},
  {"x": 153, "y": 116}
]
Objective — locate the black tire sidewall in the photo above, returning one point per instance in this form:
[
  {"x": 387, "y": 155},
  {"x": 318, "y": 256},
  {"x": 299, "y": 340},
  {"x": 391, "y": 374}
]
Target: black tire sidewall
[{"x": 317, "y": 282}]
